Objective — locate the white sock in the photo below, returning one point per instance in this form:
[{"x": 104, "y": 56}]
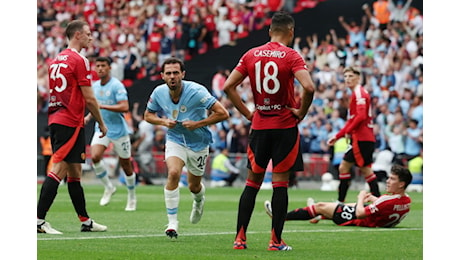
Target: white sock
[
  {"x": 172, "y": 198},
  {"x": 40, "y": 221},
  {"x": 199, "y": 196},
  {"x": 101, "y": 174},
  {"x": 131, "y": 185}
]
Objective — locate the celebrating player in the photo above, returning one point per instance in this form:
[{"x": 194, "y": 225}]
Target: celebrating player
[{"x": 185, "y": 105}]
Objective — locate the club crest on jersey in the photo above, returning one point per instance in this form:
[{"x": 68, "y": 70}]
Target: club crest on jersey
[
  {"x": 266, "y": 101},
  {"x": 183, "y": 109}
]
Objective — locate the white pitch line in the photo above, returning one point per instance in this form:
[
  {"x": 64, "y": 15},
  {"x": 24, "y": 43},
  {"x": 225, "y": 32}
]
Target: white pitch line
[{"x": 58, "y": 237}]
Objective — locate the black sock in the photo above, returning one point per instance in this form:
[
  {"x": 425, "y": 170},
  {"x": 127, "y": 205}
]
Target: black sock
[
  {"x": 279, "y": 209},
  {"x": 374, "y": 188},
  {"x": 343, "y": 189},
  {"x": 245, "y": 208},
  {"x": 48, "y": 193},
  {"x": 78, "y": 198},
  {"x": 299, "y": 214}
]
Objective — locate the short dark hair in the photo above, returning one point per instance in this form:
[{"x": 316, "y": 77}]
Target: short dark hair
[
  {"x": 173, "y": 60},
  {"x": 403, "y": 174},
  {"x": 104, "y": 59},
  {"x": 354, "y": 70},
  {"x": 281, "y": 22},
  {"x": 73, "y": 27}
]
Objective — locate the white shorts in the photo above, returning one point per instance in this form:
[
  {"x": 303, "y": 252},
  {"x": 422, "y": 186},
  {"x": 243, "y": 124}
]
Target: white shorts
[
  {"x": 194, "y": 161},
  {"x": 122, "y": 145}
]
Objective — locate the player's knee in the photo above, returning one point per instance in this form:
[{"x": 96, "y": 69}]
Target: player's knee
[
  {"x": 344, "y": 168},
  {"x": 194, "y": 187},
  {"x": 126, "y": 164},
  {"x": 320, "y": 206},
  {"x": 96, "y": 158}
]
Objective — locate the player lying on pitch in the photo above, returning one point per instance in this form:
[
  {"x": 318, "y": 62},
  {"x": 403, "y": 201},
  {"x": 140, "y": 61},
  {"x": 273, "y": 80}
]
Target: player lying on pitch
[{"x": 369, "y": 211}]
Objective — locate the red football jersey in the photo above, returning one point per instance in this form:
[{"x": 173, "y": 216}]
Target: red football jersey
[
  {"x": 68, "y": 71},
  {"x": 386, "y": 211},
  {"x": 155, "y": 42},
  {"x": 359, "y": 124},
  {"x": 271, "y": 69}
]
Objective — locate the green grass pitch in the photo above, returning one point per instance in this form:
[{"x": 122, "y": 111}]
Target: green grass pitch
[{"x": 140, "y": 234}]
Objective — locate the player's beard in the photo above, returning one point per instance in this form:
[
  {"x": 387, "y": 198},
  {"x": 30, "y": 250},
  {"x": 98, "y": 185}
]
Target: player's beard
[{"x": 174, "y": 85}]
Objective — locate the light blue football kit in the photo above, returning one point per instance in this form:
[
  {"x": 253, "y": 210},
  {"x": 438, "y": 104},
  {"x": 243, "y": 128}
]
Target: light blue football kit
[
  {"x": 193, "y": 104},
  {"x": 110, "y": 94}
]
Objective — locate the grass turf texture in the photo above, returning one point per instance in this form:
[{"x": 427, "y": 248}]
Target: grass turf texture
[{"x": 140, "y": 234}]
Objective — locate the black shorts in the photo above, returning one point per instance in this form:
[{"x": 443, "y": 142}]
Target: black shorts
[
  {"x": 282, "y": 146},
  {"x": 68, "y": 143},
  {"x": 343, "y": 214},
  {"x": 361, "y": 153}
]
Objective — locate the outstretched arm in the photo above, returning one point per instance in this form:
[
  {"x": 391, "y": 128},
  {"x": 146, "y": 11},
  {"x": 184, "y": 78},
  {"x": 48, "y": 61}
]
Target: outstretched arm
[{"x": 344, "y": 24}]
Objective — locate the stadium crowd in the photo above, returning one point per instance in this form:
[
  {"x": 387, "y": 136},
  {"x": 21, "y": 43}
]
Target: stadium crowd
[{"x": 387, "y": 45}]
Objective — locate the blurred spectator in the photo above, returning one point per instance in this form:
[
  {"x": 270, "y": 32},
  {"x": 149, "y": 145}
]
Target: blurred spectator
[
  {"x": 143, "y": 145},
  {"x": 47, "y": 152},
  {"x": 382, "y": 164},
  {"x": 318, "y": 134},
  {"x": 223, "y": 172},
  {"x": 218, "y": 81},
  {"x": 412, "y": 145},
  {"x": 381, "y": 12},
  {"x": 336, "y": 121},
  {"x": 247, "y": 21},
  {"x": 398, "y": 10},
  {"x": 415, "y": 166},
  {"x": 132, "y": 61},
  {"x": 118, "y": 67},
  {"x": 325, "y": 77},
  {"x": 417, "y": 22},
  {"x": 224, "y": 28},
  {"x": 406, "y": 101},
  {"x": 338, "y": 151},
  {"x": 305, "y": 138},
  {"x": 238, "y": 135},
  {"x": 356, "y": 33},
  {"x": 194, "y": 30},
  {"x": 166, "y": 47},
  {"x": 210, "y": 26},
  {"x": 380, "y": 142},
  {"x": 179, "y": 43},
  {"x": 416, "y": 110},
  {"x": 154, "y": 40},
  {"x": 159, "y": 140}
]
